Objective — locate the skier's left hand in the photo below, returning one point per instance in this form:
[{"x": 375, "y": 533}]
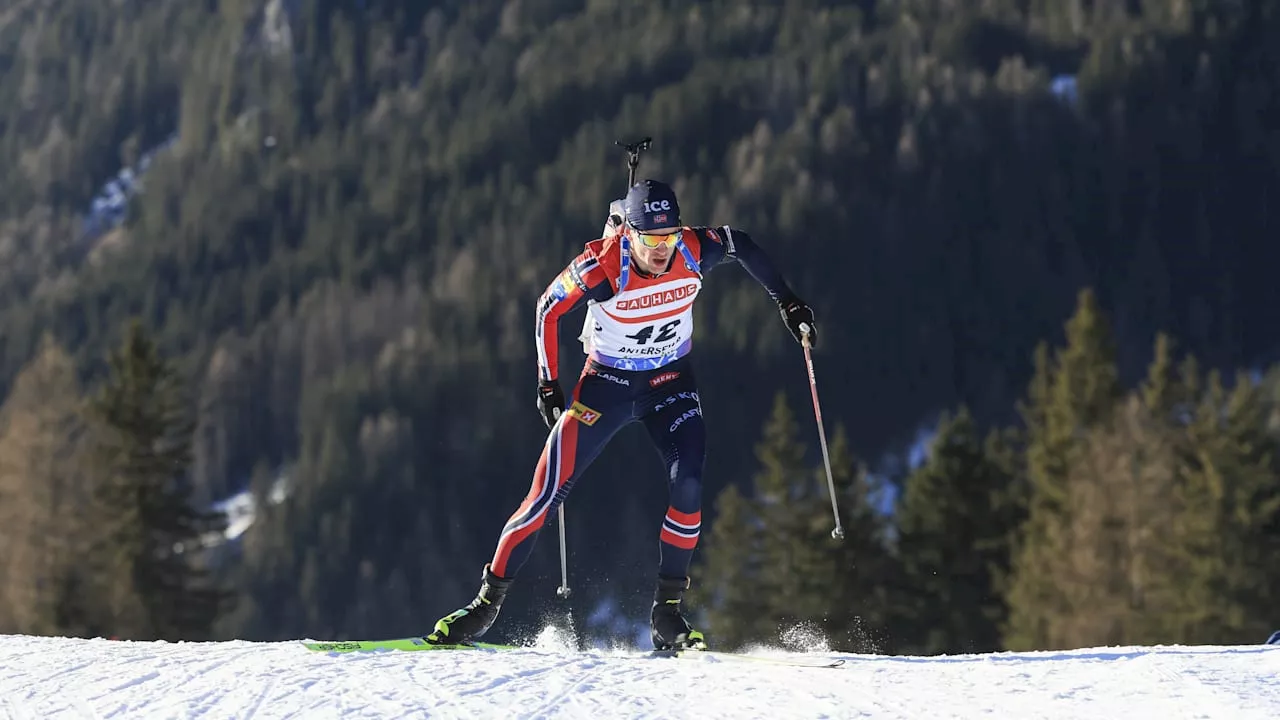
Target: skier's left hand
[{"x": 795, "y": 313}]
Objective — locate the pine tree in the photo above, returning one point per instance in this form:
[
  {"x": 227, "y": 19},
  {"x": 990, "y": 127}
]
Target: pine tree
[
  {"x": 1114, "y": 574},
  {"x": 748, "y": 559},
  {"x": 772, "y": 572},
  {"x": 1074, "y": 392},
  {"x": 856, "y": 611},
  {"x": 1230, "y": 509},
  {"x": 1269, "y": 532},
  {"x": 42, "y": 455},
  {"x": 1165, "y": 599},
  {"x": 723, "y": 580},
  {"x": 150, "y": 569},
  {"x": 953, "y": 536}
]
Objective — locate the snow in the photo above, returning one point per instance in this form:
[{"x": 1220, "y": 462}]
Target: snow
[
  {"x": 241, "y": 510},
  {"x": 1066, "y": 87},
  {"x": 108, "y": 208},
  {"x": 74, "y": 678}
]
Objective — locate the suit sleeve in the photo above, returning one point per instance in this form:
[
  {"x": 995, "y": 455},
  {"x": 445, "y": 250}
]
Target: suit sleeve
[
  {"x": 583, "y": 280},
  {"x": 723, "y": 244}
]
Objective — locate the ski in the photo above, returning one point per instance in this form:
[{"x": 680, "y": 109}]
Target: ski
[
  {"x": 417, "y": 644},
  {"x": 792, "y": 660},
  {"x": 411, "y": 644}
]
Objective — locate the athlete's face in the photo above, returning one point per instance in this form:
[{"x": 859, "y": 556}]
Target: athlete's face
[{"x": 652, "y": 249}]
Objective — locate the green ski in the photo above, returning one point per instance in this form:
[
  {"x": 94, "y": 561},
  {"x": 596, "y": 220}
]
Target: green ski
[
  {"x": 417, "y": 644},
  {"x": 411, "y": 644}
]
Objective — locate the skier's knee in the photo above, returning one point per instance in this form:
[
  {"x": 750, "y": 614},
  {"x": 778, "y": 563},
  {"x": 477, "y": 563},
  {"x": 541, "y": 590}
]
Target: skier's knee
[{"x": 686, "y": 489}]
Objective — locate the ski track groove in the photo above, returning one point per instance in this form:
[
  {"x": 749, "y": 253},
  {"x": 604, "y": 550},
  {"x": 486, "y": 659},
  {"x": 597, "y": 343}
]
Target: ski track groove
[
  {"x": 1207, "y": 701},
  {"x": 814, "y": 684},
  {"x": 8, "y": 702},
  {"x": 479, "y": 681},
  {"x": 375, "y": 685},
  {"x": 590, "y": 671},
  {"x": 500, "y": 679},
  {"x": 261, "y": 697},
  {"x": 817, "y": 685},
  {"x": 390, "y": 691},
  {"x": 648, "y": 672},
  {"x": 735, "y": 693},
  {"x": 202, "y": 688},
  {"x": 1197, "y": 692},
  {"x": 878, "y": 708},
  {"x": 427, "y": 675},
  {"x": 67, "y": 697},
  {"x": 13, "y": 712}
]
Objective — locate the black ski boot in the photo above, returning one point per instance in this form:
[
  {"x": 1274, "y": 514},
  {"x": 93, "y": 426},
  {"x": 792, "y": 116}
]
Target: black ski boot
[
  {"x": 468, "y": 623},
  {"x": 669, "y": 629}
]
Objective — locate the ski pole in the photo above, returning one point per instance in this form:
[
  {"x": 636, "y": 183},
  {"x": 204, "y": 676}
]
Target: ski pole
[
  {"x": 838, "y": 532},
  {"x": 563, "y": 590}
]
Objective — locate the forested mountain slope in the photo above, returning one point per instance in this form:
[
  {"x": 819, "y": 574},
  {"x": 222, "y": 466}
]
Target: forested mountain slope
[{"x": 357, "y": 203}]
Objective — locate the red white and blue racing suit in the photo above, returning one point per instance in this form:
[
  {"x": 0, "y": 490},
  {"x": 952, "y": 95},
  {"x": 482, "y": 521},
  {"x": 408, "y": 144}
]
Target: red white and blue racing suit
[{"x": 637, "y": 335}]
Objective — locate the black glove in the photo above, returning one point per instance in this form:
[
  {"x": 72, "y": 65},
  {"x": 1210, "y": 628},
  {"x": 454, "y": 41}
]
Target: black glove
[
  {"x": 795, "y": 313},
  {"x": 550, "y": 402}
]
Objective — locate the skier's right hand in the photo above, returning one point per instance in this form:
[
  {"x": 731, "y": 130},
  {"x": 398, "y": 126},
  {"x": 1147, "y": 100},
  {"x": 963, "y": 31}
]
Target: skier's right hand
[{"x": 550, "y": 401}]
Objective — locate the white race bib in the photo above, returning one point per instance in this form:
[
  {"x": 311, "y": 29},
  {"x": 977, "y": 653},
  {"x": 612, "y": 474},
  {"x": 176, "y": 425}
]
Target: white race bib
[{"x": 646, "y": 326}]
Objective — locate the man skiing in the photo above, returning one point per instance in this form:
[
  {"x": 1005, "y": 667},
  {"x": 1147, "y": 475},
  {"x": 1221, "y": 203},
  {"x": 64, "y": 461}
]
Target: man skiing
[{"x": 639, "y": 282}]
